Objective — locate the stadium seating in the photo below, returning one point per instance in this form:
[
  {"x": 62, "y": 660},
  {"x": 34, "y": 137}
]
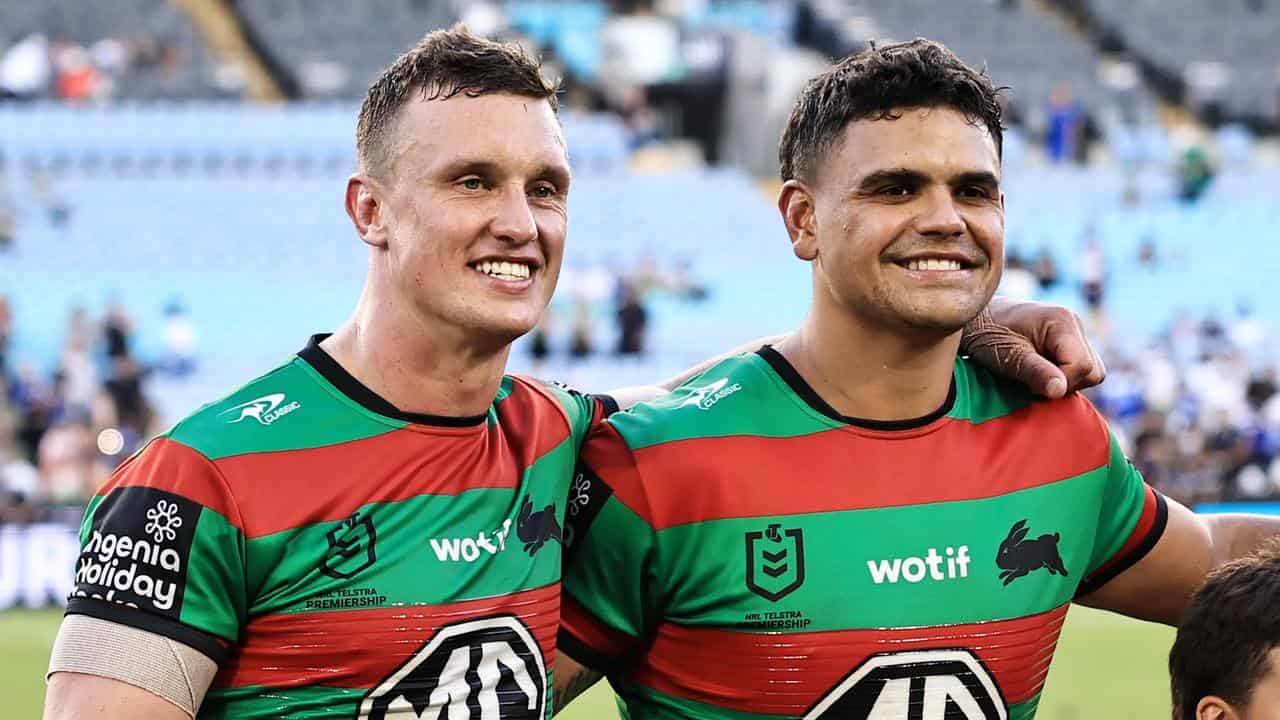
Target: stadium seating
[
  {"x": 1182, "y": 36},
  {"x": 88, "y": 22}
]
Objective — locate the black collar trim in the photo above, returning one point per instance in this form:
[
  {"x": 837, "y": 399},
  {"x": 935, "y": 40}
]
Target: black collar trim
[
  {"x": 345, "y": 382},
  {"x": 815, "y": 401}
]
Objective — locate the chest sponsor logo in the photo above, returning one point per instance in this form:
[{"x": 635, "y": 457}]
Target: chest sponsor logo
[
  {"x": 705, "y": 397},
  {"x": 489, "y": 669},
  {"x": 921, "y": 685},
  {"x": 535, "y": 529},
  {"x": 468, "y": 549},
  {"x": 950, "y": 564},
  {"x": 775, "y": 561},
  {"x": 137, "y": 550},
  {"x": 1018, "y": 556},
  {"x": 352, "y": 547},
  {"x": 266, "y": 409}
]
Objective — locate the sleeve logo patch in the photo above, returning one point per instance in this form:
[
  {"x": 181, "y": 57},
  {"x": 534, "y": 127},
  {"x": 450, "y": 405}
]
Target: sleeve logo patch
[{"x": 137, "y": 550}]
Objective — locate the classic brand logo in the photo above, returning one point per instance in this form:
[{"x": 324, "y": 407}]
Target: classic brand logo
[
  {"x": 708, "y": 395},
  {"x": 265, "y": 410},
  {"x": 775, "y": 561},
  {"x": 1018, "y": 557},
  {"x": 490, "y": 669},
  {"x": 351, "y": 547},
  {"x": 950, "y": 684}
]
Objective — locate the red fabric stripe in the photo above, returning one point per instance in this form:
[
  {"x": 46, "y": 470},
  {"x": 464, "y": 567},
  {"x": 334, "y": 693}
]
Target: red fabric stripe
[
  {"x": 786, "y": 673},
  {"x": 361, "y": 648},
  {"x": 847, "y": 469},
  {"x": 583, "y": 625},
  {"x": 1146, "y": 521},
  {"x": 336, "y": 480},
  {"x": 169, "y": 465}
]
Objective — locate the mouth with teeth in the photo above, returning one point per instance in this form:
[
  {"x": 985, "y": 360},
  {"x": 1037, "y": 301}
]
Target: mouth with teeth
[
  {"x": 934, "y": 264},
  {"x": 504, "y": 270}
]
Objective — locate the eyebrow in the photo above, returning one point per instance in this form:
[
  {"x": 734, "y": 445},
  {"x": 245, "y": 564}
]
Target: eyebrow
[
  {"x": 487, "y": 168},
  {"x": 915, "y": 178}
]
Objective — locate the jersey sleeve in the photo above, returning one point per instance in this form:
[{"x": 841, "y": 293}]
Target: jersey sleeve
[
  {"x": 585, "y": 410},
  {"x": 162, "y": 550},
  {"x": 1131, "y": 519},
  {"x": 612, "y": 589}
]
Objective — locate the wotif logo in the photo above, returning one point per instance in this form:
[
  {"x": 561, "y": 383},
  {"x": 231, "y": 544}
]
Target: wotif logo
[
  {"x": 468, "y": 549},
  {"x": 266, "y": 409},
  {"x": 708, "y": 395},
  {"x": 915, "y": 569}
]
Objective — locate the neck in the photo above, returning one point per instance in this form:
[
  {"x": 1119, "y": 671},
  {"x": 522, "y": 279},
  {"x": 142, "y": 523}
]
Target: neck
[
  {"x": 871, "y": 372},
  {"x": 416, "y": 363}
]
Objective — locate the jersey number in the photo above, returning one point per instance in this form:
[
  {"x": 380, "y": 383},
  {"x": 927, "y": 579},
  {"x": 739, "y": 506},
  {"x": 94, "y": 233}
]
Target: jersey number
[
  {"x": 920, "y": 685},
  {"x": 490, "y": 669}
]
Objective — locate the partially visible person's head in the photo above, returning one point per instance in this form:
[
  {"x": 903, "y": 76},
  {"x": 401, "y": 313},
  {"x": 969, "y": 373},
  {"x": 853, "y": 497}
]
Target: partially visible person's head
[
  {"x": 891, "y": 170},
  {"x": 462, "y": 185},
  {"x": 1225, "y": 662}
]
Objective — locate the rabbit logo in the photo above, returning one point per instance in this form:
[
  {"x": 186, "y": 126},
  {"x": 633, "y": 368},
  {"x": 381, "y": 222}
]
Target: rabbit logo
[{"x": 1018, "y": 556}]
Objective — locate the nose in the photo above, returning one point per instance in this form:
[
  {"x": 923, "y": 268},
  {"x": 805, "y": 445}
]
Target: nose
[
  {"x": 513, "y": 218},
  {"x": 938, "y": 216}
]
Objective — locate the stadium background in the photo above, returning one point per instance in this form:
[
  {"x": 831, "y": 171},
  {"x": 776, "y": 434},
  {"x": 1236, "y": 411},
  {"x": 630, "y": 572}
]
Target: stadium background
[{"x": 171, "y": 224}]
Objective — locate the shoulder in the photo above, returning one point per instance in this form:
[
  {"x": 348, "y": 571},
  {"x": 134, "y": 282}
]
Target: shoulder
[
  {"x": 287, "y": 408},
  {"x": 712, "y": 404}
]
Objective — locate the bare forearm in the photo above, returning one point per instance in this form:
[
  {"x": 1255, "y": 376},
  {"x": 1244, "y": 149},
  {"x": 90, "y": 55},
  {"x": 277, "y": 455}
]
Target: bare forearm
[
  {"x": 628, "y": 396},
  {"x": 1237, "y": 534},
  {"x": 571, "y": 679}
]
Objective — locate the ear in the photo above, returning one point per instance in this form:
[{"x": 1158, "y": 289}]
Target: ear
[
  {"x": 1018, "y": 531},
  {"x": 796, "y": 203},
  {"x": 1215, "y": 708},
  {"x": 364, "y": 206}
]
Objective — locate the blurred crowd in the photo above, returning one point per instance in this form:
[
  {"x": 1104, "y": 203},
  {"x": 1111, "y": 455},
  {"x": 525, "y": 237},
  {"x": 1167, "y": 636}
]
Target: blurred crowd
[
  {"x": 36, "y": 67},
  {"x": 62, "y": 431},
  {"x": 1198, "y": 408}
]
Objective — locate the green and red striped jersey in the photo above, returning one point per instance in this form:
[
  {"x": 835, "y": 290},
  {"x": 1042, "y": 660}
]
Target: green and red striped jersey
[
  {"x": 340, "y": 558},
  {"x": 740, "y": 550}
]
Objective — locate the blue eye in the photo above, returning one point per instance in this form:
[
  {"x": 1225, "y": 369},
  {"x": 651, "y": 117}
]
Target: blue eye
[{"x": 472, "y": 184}]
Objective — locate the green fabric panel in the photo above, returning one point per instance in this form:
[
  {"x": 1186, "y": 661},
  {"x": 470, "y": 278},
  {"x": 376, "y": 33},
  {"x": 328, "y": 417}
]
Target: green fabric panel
[
  {"x": 504, "y": 392},
  {"x": 262, "y": 703},
  {"x": 215, "y": 600},
  {"x": 981, "y": 396},
  {"x": 694, "y": 411},
  {"x": 86, "y": 523},
  {"x": 705, "y": 564},
  {"x": 614, "y": 572},
  {"x": 322, "y": 416},
  {"x": 1120, "y": 509},
  {"x": 636, "y": 702},
  {"x": 411, "y": 537}
]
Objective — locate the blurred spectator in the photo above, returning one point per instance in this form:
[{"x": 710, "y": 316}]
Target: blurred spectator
[
  {"x": 1093, "y": 276},
  {"x": 1194, "y": 174},
  {"x": 57, "y": 208},
  {"x": 1045, "y": 268},
  {"x": 76, "y": 79},
  {"x": 6, "y": 332},
  {"x": 117, "y": 330},
  {"x": 633, "y": 321},
  {"x": 1148, "y": 257},
  {"x": 1018, "y": 281},
  {"x": 1065, "y": 134},
  {"x": 25, "y": 69},
  {"x": 638, "y": 48},
  {"x": 180, "y": 341}
]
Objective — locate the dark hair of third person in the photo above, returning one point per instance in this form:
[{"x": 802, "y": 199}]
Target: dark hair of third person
[
  {"x": 1229, "y": 630},
  {"x": 878, "y": 83},
  {"x": 443, "y": 64}
]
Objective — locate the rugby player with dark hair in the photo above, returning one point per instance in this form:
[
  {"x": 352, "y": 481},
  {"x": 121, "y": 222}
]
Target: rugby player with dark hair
[
  {"x": 858, "y": 522},
  {"x": 1225, "y": 662}
]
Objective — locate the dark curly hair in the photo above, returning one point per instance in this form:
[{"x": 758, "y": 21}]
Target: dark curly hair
[
  {"x": 1230, "y": 628},
  {"x": 443, "y": 64},
  {"x": 876, "y": 83}
]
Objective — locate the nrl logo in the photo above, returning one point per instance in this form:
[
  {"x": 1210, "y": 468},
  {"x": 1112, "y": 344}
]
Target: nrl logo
[
  {"x": 265, "y": 410},
  {"x": 708, "y": 395},
  {"x": 775, "y": 561}
]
